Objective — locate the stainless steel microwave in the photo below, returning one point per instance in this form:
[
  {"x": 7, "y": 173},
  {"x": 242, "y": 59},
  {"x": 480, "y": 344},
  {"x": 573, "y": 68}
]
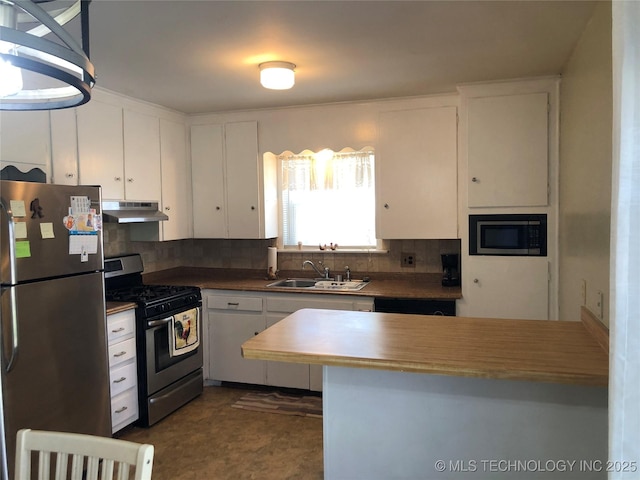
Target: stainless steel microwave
[{"x": 516, "y": 234}]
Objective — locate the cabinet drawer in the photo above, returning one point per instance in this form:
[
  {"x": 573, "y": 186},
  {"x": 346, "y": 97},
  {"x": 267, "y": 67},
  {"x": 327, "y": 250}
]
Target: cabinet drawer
[
  {"x": 122, "y": 378},
  {"x": 122, "y": 351},
  {"x": 120, "y": 325},
  {"x": 290, "y": 305},
  {"x": 224, "y": 302},
  {"x": 124, "y": 409}
]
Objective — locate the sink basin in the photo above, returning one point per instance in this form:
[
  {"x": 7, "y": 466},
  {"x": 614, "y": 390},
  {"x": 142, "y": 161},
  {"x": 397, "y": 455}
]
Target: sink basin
[
  {"x": 310, "y": 283},
  {"x": 294, "y": 283},
  {"x": 333, "y": 285}
]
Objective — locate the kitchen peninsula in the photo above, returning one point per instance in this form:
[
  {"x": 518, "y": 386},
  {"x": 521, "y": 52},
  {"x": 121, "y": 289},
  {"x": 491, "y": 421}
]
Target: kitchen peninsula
[{"x": 409, "y": 396}]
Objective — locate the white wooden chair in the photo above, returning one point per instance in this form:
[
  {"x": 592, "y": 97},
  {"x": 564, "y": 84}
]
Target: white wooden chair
[{"x": 74, "y": 456}]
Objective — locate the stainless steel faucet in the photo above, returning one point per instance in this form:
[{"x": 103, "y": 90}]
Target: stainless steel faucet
[
  {"x": 347, "y": 273},
  {"x": 324, "y": 274}
]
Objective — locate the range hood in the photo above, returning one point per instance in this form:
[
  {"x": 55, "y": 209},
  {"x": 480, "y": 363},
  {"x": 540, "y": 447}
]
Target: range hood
[{"x": 115, "y": 211}]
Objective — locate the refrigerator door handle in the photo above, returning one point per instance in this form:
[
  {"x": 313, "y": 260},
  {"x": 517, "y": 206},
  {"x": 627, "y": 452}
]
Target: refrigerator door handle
[
  {"x": 13, "y": 309},
  {"x": 11, "y": 241}
]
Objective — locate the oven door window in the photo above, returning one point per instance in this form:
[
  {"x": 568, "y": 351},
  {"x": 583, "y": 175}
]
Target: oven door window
[{"x": 163, "y": 358}]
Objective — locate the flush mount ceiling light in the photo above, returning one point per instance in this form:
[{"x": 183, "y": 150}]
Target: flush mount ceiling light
[
  {"x": 277, "y": 75},
  {"x": 38, "y": 73}
]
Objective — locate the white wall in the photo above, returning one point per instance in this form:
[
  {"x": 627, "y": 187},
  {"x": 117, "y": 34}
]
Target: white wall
[{"x": 585, "y": 168}]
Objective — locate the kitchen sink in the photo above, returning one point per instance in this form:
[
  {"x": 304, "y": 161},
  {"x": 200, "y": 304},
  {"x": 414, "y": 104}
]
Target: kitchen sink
[
  {"x": 294, "y": 283},
  {"x": 353, "y": 285},
  {"x": 310, "y": 283}
]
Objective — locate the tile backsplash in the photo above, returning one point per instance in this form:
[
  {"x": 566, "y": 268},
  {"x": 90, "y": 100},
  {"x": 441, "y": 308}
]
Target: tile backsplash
[{"x": 252, "y": 254}]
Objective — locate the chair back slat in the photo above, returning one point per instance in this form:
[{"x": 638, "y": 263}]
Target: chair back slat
[
  {"x": 107, "y": 470},
  {"x": 62, "y": 466},
  {"x": 93, "y": 468},
  {"x": 123, "y": 472},
  {"x": 77, "y": 467},
  {"x": 44, "y": 465}
]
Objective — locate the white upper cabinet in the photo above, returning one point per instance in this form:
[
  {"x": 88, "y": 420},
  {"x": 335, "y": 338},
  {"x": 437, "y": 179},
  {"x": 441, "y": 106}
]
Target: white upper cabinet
[
  {"x": 120, "y": 150},
  {"x": 25, "y": 140},
  {"x": 242, "y": 179},
  {"x": 64, "y": 147},
  {"x": 100, "y": 148},
  {"x": 508, "y": 150},
  {"x": 207, "y": 173},
  {"x": 416, "y": 174},
  {"x": 176, "y": 185},
  {"x": 229, "y": 182},
  {"x": 141, "y": 156}
]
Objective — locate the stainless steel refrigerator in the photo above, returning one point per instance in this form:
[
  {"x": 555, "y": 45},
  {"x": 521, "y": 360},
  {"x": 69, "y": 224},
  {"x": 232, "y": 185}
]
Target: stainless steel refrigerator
[{"x": 53, "y": 325}]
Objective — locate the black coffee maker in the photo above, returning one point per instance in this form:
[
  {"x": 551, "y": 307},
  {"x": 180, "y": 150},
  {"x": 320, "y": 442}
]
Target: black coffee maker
[{"x": 450, "y": 273}]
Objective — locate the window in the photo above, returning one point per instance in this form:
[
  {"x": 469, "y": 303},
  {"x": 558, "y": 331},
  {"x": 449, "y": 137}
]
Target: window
[{"x": 328, "y": 197}]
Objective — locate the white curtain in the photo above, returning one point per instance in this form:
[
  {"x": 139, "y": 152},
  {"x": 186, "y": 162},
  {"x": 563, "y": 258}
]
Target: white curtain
[
  {"x": 328, "y": 198},
  {"x": 624, "y": 382}
]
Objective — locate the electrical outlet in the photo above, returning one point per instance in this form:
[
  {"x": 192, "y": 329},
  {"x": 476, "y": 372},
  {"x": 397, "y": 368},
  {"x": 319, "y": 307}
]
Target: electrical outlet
[
  {"x": 583, "y": 291},
  {"x": 408, "y": 260}
]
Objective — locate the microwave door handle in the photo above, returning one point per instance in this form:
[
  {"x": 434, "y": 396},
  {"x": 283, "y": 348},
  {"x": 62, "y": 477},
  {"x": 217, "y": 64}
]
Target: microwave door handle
[{"x": 11, "y": 229}]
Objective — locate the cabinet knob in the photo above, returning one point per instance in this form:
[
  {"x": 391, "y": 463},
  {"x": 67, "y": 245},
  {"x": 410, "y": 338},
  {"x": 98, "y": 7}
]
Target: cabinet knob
[
  {"x": 130, "y": 180},
  {"x": 386, "y": 205},
  {"x": 475, "y": 280},
  {"x": 475, "y": 180},
  {"x": 253, "y": 207},
  {"x": 167, "y": 208},
  {"x": 117, "y": 179},
  {"x": 217, "y": 208},
  {"x": 69, "y": 175}
]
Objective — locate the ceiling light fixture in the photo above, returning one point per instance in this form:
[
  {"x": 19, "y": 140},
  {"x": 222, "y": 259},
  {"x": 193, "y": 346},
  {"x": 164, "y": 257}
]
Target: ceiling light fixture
[
  {"x": 38, "y": 73},
  {"x": 277, "y": 75}
]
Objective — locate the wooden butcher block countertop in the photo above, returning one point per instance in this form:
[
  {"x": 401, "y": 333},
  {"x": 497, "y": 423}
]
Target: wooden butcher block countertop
[{"x": 531, "y": 350}]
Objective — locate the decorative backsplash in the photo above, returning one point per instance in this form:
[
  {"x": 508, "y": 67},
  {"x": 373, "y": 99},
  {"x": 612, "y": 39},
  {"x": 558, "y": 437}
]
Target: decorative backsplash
[{"x": 252, "y": 254}]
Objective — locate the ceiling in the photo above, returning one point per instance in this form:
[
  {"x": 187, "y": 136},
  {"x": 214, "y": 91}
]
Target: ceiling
[{"x": 202, "y": 56}]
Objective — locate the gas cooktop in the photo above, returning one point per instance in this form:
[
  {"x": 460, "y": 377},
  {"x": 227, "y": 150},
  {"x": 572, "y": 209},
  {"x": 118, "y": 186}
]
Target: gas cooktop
[{"x": 123, "y": 281}]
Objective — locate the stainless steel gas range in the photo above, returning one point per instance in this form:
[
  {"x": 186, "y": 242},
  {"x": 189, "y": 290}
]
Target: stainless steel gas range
[{"x": 168, "y": 334}]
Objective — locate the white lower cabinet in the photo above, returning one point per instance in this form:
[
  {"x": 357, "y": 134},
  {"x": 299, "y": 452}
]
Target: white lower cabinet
[
  {"x": 505, "y": 287},
  {"x": 234, "y": 317},
  {"x": 123, "y": 375}
]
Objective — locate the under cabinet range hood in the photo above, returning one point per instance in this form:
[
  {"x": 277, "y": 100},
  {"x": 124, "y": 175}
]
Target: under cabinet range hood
[{"x": 114, "y": 211}]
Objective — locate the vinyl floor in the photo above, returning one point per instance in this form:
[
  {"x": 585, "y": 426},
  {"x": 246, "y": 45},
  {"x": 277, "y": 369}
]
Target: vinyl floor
[{"x": 207, "y": 439}]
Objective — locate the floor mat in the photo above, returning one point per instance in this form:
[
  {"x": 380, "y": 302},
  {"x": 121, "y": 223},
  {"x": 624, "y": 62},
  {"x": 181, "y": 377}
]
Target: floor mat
[{"x": 275, "y": 402}]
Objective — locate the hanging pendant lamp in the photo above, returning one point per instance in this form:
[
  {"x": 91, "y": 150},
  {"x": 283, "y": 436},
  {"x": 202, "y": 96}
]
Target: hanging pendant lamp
[{"x": 38, "y": 73}]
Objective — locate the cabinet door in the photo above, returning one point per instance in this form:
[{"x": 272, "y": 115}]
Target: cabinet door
[
  {"x": 25, "y": 141},
  {"x": 141, "y": 157},
  {"x": 506, "y": 287},
  {"x": 227, "y": 333},
  {"x": 64, "y": 146},
  {"x": 242, "y": 180},
  {"x": 100, "y": 148},
  {"x": 284, "y": 374},
  {"x": 176, "y": 183},
  {"x": 207, "y": 174},
  {"x": 416, "y": 179},
  {"x": 508, "y": 151}
]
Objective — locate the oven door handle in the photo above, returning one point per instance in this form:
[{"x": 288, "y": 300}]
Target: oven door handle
[{"x": 157, "y": 323}]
